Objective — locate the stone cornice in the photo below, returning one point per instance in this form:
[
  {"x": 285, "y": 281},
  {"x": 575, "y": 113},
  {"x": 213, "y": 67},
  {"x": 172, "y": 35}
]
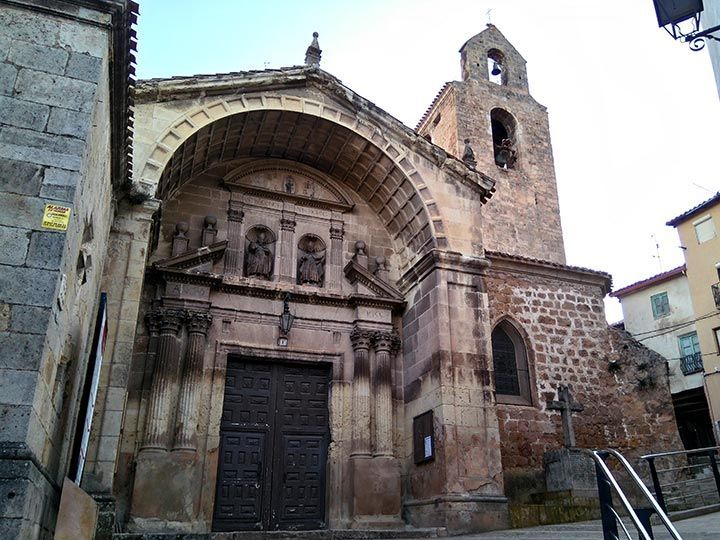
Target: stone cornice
[
  {"x": 442, "y": 260},
  {"x": 503, "y": 262},
  {"x": 198, "y": 256},
  {"x": 276, "y": 291},
  {"x": 358, "y": 274}
]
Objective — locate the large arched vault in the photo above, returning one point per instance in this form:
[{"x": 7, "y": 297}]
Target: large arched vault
[{"x": 395, "y": 171}]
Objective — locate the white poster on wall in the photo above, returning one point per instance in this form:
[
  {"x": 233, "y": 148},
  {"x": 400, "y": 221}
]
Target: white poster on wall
[{"x": 95, "y": 364}]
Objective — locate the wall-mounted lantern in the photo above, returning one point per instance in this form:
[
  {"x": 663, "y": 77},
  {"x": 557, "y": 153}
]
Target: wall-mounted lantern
[
  {"x": 286, "y": 322},
  {"x": 681, "y": 19}
]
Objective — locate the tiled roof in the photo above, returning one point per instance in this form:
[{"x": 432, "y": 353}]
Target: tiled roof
[
  {"x": 694, "y": 211},
  {"x": 520, "y": 258},
  {"x": 654, "y": 280},
  {"x": 432, "y": 105}
]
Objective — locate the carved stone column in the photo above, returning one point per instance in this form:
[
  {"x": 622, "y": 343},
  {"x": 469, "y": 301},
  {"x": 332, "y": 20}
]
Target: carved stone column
[
  {"x": 384, "y": 343},
  {"x": 152, "y": 322},
  {"x": 286, "y": 264},
  {"x": 335, "y": 260},
  {"x": 167, "y": 362},
  {"x": 186, "y": 424},
  {"x": 361, "y": 340},
  {"x": 235, "y": 250}
]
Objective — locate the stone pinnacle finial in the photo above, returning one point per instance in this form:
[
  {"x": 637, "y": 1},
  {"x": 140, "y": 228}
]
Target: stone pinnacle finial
[{"x": 312, "y": 55}]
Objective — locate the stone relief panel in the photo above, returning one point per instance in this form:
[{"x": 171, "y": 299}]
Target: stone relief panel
[
  {"x": 259, "y": 252},
  {"x": 311, "y": 261}
]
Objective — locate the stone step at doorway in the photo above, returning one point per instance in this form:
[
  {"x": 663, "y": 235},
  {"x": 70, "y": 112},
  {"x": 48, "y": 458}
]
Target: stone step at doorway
[{"x": 326, "y": 534}]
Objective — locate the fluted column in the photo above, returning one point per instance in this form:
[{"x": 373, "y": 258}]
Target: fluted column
[
  {"x": 167, "y": 361},
  {"x": 361, "y": 340},
  {"x": 187, "y": 418},
  {"x": 384, "y": 343},
  {"x": 235, "y": 250}
]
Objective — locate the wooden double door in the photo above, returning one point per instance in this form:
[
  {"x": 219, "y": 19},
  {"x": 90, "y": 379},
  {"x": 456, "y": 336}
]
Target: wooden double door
[{"x": 274, "y": 436}]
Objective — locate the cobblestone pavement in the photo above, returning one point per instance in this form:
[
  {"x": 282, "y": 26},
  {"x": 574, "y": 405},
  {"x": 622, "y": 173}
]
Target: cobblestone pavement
[{"x": 705, "y": 527}]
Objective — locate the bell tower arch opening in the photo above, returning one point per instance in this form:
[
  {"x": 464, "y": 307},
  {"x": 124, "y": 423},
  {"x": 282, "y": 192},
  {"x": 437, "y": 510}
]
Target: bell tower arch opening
[{"x": 504, "y": 129}]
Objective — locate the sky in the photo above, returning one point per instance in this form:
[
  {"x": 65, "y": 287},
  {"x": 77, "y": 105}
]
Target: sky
[{"x": 634, "y": 115}]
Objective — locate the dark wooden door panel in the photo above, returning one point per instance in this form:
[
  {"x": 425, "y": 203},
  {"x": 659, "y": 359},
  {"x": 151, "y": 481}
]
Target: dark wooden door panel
[
  {"x": 274, "y": 436},
  {"x": 240, "y": 499},
  {"x": 299, "y": 500}
]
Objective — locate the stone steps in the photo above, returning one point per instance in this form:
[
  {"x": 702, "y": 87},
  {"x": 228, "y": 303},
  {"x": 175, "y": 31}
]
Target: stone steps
[{"x": 326, "y": 534}]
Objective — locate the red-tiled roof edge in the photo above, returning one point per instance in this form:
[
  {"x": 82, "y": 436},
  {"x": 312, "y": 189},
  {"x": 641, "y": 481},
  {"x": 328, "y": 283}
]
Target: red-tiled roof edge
[
  {"x": 694, "y": 210},
  {"x": 432, "y": 105},
  {"x": 653, "y": 280}
]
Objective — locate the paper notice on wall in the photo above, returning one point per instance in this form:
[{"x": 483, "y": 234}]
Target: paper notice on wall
[
  {"x": 428, "y": 446},
  {"x": 56, "y": 217}
]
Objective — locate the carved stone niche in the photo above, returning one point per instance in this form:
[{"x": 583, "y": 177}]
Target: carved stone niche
[
  {"x": 259, "y": 252},
  {"x": 311, "y": 261}
]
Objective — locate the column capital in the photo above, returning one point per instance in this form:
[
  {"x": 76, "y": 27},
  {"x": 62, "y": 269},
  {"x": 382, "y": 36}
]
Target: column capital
[
  {"x": 198, "y": 322},
  {"x": 152, "y": 321},
  {"x": 287, "y": 224},
  {"x": 385, "y": 341},
  {"x": 336, "y": 232},
  {"x": 170, "y": 320},
  {"x": 361, "y": 339},
  {"x": 235, "y": 214}
]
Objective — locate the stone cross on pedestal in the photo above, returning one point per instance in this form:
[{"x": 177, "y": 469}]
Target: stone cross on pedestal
[{"x": 565, "y": 405}]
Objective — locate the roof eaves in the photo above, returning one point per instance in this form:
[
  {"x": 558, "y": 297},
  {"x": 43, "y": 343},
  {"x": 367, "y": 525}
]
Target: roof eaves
[
  {"x": 694, "y": 210},
  {"x": 648, "y": 282}
]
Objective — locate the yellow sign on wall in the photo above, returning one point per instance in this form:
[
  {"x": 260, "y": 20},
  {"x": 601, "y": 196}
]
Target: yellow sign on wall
[{"x": 56, "y": 217}]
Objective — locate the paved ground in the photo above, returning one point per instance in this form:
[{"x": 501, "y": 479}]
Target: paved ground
[{"x": 698, "y": 528}]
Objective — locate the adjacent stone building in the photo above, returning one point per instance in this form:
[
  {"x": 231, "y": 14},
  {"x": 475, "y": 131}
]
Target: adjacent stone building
[
  {"x": 65, "y": 68},
  {"x": 321, "y": 318},
  {"x": 659, "y": 312}
]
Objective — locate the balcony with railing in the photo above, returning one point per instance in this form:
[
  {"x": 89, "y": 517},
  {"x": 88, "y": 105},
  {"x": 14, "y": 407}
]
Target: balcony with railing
[
  {"x": 691, "y": 363},
  {"x": 716, "y": 294}
]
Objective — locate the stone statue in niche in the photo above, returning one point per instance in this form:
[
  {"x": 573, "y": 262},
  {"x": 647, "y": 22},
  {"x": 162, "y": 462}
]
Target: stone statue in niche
[
  {"x": 311, "y": 261},
  {"x": 289, "y": 185},
  {"x": 260, "y": 254}
]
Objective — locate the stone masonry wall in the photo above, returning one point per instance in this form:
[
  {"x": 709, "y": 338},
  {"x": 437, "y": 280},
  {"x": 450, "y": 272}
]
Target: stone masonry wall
[
  {"x": 446, "y": 370},
  {"x": 627, "y": 404},
  {"x": 54, "y": 148},
  {"x": 523, "y": 215}
]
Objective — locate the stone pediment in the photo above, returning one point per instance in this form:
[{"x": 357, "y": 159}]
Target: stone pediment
[
  {"x": 357, "y": 274},
  {"x": 195, "y": 261},
  {"x": 291, "y": 181}
]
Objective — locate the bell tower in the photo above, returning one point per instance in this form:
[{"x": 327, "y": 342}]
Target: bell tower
[{"x": 508, "y": 131}]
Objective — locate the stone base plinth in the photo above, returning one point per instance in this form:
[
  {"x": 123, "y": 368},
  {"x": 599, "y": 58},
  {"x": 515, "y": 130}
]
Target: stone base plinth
[
  {"x": 376, "y": 497},
  {"x": 570, "y": 470},
  {"x": 459, "y": 514},
  {"x": 166, "y": 493}
]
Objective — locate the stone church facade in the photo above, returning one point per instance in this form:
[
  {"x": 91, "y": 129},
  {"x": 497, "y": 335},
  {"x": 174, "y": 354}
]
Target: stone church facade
[{"x": 321, "y": 318}]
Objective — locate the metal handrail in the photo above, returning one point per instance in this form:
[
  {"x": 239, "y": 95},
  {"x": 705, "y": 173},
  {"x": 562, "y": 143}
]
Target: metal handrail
[
  {"x": 710, "y": 452},
  {"x": 601, "y": 467},
  {"x": 679, "y": 452}
]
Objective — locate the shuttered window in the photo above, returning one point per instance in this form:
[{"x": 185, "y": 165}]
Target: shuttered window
[{"x": 704, "y": 229}]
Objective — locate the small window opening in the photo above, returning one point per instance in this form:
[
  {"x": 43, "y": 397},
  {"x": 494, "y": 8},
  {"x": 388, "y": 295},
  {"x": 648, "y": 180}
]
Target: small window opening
[
  {"x": 504, "y": 141},
  {"x": 496, "y": 67},
  {"x": 510, "y": 366}
]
